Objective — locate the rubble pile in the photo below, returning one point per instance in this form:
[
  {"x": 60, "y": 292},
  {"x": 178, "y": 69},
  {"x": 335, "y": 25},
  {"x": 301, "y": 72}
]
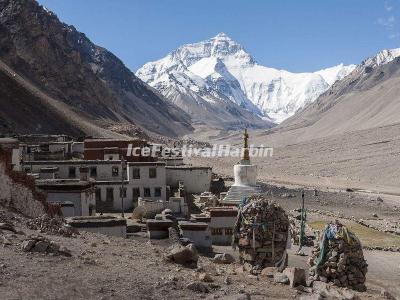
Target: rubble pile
[
  {"x": 46, "y": 224},
  {"x": 41, "y": 244},
  {"x": 261, "y": 234},
  {"x": 339, "y": 258}
]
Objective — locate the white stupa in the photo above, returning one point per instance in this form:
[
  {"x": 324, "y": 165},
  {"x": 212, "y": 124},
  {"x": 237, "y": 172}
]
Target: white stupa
[{"x": 245, "y": 178}]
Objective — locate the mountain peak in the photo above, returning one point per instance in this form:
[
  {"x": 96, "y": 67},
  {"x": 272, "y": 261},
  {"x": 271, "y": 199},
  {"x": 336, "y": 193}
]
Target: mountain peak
[{"x": 222, "y": 36}]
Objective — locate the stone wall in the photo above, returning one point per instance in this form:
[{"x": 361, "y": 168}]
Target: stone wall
[{"x": 17, "y": 191}]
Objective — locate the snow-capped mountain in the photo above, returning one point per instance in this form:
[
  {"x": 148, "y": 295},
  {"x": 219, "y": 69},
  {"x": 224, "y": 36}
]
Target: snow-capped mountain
[
  {"x": 218, "y": 72},
  {"x": 381, "y": 58}
]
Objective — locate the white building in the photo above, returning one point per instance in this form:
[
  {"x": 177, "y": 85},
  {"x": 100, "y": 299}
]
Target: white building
[
  {"x": 75, "y": 197},
  {"x": 222, "y": 222},
  {"x": 141, "y": 179},
  {"x": 195, "y": 179}
]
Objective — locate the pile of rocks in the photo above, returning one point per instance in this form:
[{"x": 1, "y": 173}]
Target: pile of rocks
[
  {"x": 46, "y": 224},
  {"x": 41, "y": 244},
  {"x": 261, "y": 234},
  {"x": 339, "y": 258}
]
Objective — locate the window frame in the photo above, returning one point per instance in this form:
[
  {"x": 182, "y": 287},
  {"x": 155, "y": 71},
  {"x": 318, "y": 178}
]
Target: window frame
[
  {"x": 108, "y": 193},
  {"x": 156, "y": 189},
  {"x": 113, "y": 173},
  {"x": 145, "y": 190},
  {"x": 152, "y": 172},
  {"x": 133, "y": 173},
  {"x": 71, "y": 174}
]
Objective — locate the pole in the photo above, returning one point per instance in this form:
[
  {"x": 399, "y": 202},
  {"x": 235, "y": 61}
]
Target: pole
[
  {"x": 122, "y": 185},
  {"x": 301, "y": 237}
]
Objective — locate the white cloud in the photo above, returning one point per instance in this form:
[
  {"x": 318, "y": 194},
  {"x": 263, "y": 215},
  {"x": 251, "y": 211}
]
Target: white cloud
[
  {"x": 388, "y": 7},
  {"x": 388, "y": 22}
]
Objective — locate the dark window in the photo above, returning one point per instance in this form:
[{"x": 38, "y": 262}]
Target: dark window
[
  {"x": 216, "y": 231},
  {"x": 146, "y": 192},
  {"x": 228, "y": 231},
  {"x": 110, "y": 158},
  {"x": 152, "y": 173},
  {"x": 110, "y": 194},
  {"x": 157, "y": 192},
  {"x": 98, "y": 194},
  {"x": 122, "y": 192},
  {"x": 93, "y": 172},
  {"x": 135, "y": 196},
  {"x": 135, "y": 193},
  {"x": 115, "y": 171},
  {"x": 72, "y": 172},
  {"x": 27, "y": 170},
  {"x": 136, "y": 173}
]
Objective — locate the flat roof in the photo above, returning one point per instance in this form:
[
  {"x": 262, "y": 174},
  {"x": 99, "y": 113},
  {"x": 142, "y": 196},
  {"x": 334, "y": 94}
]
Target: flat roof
[
  {"x": 62, "y": 184},
  {"x": 188, "y": 167},
  {"x": 72, "y": 162},
  {"x": 146, "y": 163}
]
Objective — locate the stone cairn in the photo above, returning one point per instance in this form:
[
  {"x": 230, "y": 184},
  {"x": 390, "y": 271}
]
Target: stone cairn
[
  {"x": 338, "y": 258},
  {"x": 56, "y": 226},
  {"x": 261, "y": 234}
]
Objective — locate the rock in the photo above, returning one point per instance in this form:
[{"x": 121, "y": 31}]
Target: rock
[
  {"x": 281, "y": 278},
  {"x": 243, "y": 296},
  {"x": 198, "y": 287},
  {"x": 65, "y": 251},
  {"x": 319, "y": 286},
  {"x": 375, "y": 215},
  {"x": 27, "y": 245},
  {"x": 224, "y": 258},
  {"x": 205, "y": 277},
  {"x": 269, "y": 271},
  {"x": 379, "y": 199},
  {"x": 227, "y": 280},
  {"x": 183, "y": 255},
  {"x": 40, "y": 246},
  {"x": 387, "y": 295},
  {"x": 304, "y": 289},
  {"x": 6, "y": 241},
  {"x": 8, "y": 227},
  {"x": 297, "y": 276}
]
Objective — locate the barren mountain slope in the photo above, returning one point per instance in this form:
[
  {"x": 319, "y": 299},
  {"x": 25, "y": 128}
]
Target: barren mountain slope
[
  {"x": 67, "y": 66},
  {"x": 367, "y": 98}
]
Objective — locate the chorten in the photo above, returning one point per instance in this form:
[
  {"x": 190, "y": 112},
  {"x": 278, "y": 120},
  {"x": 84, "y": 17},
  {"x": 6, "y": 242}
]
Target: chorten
[{"x": 245, "y": 174}]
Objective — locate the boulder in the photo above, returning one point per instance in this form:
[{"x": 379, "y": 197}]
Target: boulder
[
  {"x": 281, "y": 278},
  {"x": 183, "y": 255},
  {"x": 27, "y": 245},
  {"x": 198, "y": 287},
  {"x": 40, "y": 246},
  {"x": 205, "y": 277},
  {"x": 8, "y": 227},
  {"x": 224, "y": 258},
  {"x": 297, "y": 276},
  {"x": 269, "y": 271}
]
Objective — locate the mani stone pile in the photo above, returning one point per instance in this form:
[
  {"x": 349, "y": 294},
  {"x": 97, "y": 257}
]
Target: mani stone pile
[
  {"x": 261, "y": 234},
  {"x": 339, "y": 258}
]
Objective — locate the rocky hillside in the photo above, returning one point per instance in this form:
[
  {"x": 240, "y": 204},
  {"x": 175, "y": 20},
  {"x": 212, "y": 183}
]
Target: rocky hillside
[
  {"x": 65, "y": 65},
  {"x": 367, "y": 98}
]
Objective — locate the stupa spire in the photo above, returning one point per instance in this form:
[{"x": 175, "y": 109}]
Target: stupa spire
[{"x": 246, "y": 155}]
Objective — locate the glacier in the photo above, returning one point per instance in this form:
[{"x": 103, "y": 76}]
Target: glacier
[{"x": 213, "y": 71}]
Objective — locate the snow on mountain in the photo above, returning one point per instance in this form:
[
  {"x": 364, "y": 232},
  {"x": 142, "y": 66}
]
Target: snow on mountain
[
  {"x": 382, "y": 58},
  {"x": 219, "y": 69}
]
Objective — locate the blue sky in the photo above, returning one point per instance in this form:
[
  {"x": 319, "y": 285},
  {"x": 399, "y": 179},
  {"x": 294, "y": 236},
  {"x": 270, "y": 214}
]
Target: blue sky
[{"x": 294, "y": 35}]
